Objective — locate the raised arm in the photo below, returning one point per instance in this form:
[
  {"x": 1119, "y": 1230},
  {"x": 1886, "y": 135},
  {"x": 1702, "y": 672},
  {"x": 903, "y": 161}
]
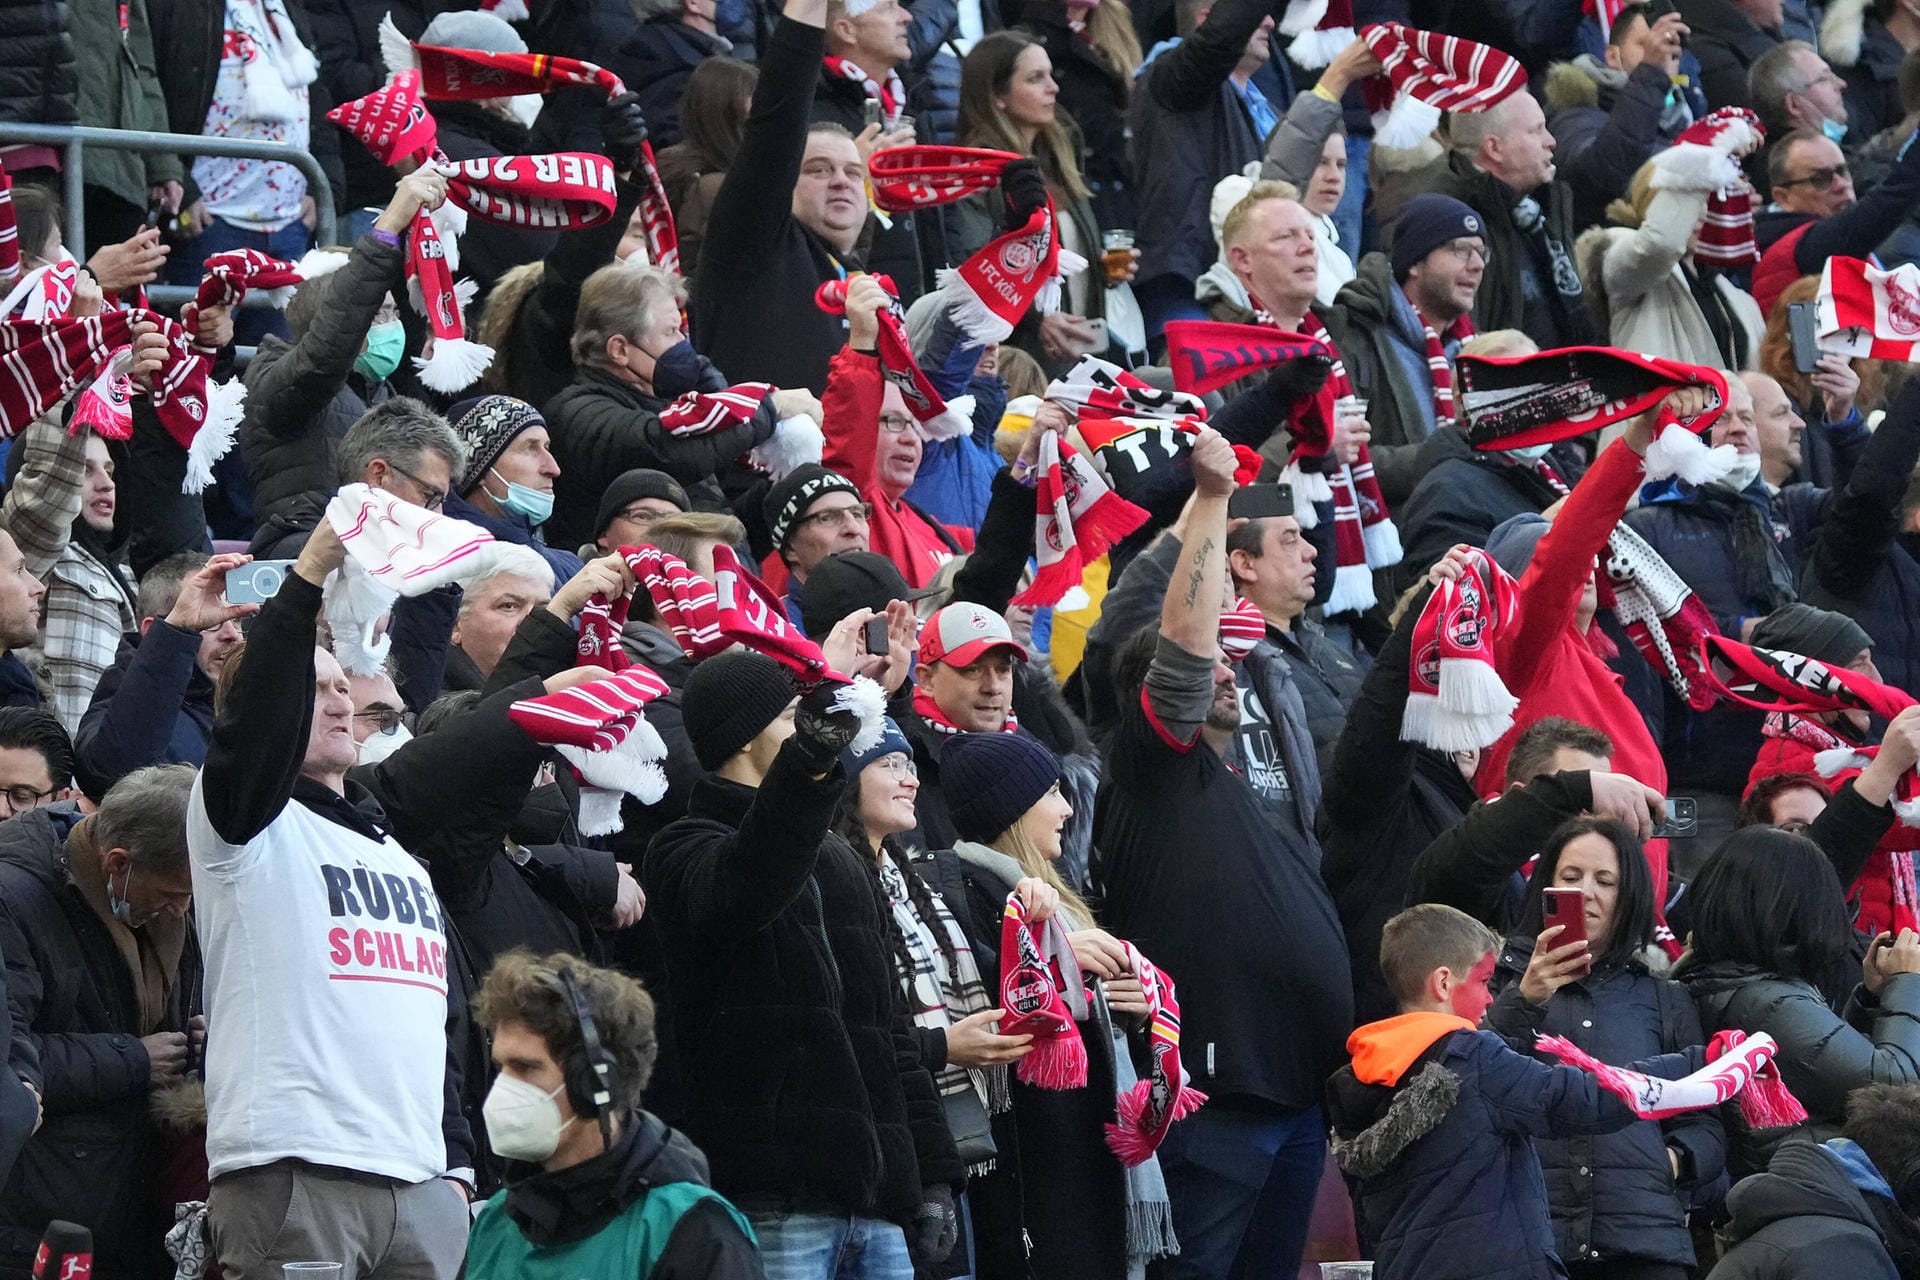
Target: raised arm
[
  {"x": 1190, "y": 615},
  {"x": 1293, "y": 152},
  {"x": 1185, "y": 78},
  {"x": 1866, "y": 515},
  {"x": 44, "y": 499}
]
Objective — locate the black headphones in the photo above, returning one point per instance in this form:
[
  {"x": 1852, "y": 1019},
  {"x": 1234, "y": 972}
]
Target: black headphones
[{"x": 590, "y": 1091}]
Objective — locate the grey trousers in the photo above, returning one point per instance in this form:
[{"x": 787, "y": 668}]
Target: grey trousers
[{"x": 376, "y": 1228}]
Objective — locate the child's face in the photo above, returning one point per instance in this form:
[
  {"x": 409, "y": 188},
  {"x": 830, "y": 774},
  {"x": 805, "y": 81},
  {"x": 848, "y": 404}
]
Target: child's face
[{"x": 1471, "y": 997}]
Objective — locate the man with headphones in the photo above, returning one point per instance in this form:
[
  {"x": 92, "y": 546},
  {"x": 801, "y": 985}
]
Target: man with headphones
[{"x": 595, "y": 1185}]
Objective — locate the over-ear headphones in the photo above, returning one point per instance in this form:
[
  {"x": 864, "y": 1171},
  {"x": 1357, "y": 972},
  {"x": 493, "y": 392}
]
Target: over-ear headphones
[{"x": 589, "y": 1087}]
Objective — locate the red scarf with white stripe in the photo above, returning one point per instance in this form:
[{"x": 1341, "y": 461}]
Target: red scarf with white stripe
[
  {"x": 1078, "y": 518},
  {"x": 892, "y": 96},
  {"x": 1456, "y": 699},
  {"x": 1149, "y": 1108},
  {"x": 1041, "y": 988},
  {"x": 1439, "y": 368}
]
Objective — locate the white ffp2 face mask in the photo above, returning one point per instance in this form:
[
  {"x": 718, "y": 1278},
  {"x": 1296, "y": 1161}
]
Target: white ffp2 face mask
[
  {"x": 378, "y": 746},
  {"x": 523, "y": 1120}
]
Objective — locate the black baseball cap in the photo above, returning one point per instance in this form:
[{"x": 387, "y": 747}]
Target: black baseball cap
[{"x": 851, "y": 581}]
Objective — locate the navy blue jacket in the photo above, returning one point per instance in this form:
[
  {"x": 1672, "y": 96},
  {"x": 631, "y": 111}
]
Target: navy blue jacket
[
  {"x": 514, "y": 529},
  {"x": 152, "y": 706},
  {"x": 1449, "y": 1185}
]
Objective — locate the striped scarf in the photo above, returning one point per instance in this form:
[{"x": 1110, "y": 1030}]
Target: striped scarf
[{"x": 1439, "y": 369}]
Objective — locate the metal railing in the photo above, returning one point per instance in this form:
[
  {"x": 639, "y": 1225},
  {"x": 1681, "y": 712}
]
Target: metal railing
[{"x": 73, "y": 140}]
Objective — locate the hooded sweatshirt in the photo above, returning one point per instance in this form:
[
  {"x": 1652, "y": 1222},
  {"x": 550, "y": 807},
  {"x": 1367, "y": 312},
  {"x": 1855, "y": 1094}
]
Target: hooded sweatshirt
[{"x": 1806, "y": 1217}]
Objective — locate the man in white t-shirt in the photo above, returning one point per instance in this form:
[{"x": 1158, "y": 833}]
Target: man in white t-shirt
[{"x": 334, "y": 1130}]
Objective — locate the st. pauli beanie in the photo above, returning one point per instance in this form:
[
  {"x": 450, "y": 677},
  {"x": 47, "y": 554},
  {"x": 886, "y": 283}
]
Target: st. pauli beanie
[
  {"x": 1429, "y": 221},
  {"x": 794, "y": 492},
  {"x": 891, "y": 740},
  {"x": 1833, "y": 638},
  {"x": 629, "y": 487},
  {"x": 729, "y": 699},
  {"x": 487, "y": 425},
  {"x": 991, "y": 779}
]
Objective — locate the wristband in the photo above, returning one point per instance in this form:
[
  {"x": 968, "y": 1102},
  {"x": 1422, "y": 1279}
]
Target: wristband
[{"x": 385, "y": 237}]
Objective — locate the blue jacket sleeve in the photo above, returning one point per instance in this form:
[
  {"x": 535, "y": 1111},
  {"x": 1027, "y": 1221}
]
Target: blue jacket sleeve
[
  {"x": 1529, "y": 1099},
  {"x": 132, "y": 726}
]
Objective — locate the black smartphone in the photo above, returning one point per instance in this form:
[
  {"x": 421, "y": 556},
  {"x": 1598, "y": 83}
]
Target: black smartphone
[
  {"x": 1683, "y": 819},
  {"x": 155, "y": 211},
  {"x": 877, "y": 637},
  {"x": 1658, "y": 9},
  {"x": 1260, "y": 501},
  {"x": 1800, "y": 326}
]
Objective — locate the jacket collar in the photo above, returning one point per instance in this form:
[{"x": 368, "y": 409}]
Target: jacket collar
[
  {"x": 719, "y": 799},
  {"x": 574, "y": 1203}
]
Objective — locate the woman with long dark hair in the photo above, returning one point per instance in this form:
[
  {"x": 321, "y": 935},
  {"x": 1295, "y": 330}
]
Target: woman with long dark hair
[
  {"x": 713, "y": 111},
  {"x": 1008, "y": 102},
  {"x": 1619, "y": 1200},
  {"x": 1095, "y": 52},
  {"x": 1773, "y": 951}
]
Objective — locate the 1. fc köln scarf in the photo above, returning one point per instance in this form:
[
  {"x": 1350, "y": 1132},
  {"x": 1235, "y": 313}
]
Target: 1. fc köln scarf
[
  {"x": 1725, "y": 240},
  {"x": 1865, "y": 311},
  {"x": 1737, "y": 1067},
  {"x": 1424, "y": 73},
  {"x": 1042, "y": 992},
  {"x": 992, "y": 290},
  {"x": 453, "y": 74},
  {"x": 1457, "y": 700},
  {"x": 938, "y": 419},
  {"x": 1079, "y": 518},
  {"x": 1149, "y": 1108}
]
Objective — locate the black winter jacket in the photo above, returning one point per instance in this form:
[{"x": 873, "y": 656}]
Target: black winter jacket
[
  {"x": 347, "y": 43},
  {"x": 654, "y": 59},
  {"x": 302, "y": 397},
  {"x": 1802, "y": 1219},
  {"x": 38, "y": 80},
  {"x": 1599, "y": 147},
  {"x": 759, "y": 266},
  {"x": 1094, "y": 95},
  {"x": 1614, "y": 1195},
  {"x": 1382, "y": 801},
  {"x": 1464, "y": 494},
  {"x": 602, "y": 427},
  {"x": 1823, "y": 1056},
  {"x": 1473, "y": 866},
  {"x": 1190, "y": 126},
  {"x": 154, "y": 705},
  {"x": 73, "y": 998},
  {"x": 1727, "y": 43},
  {"x": 804, "y": 1074},
  {"x": 1863, "y": 561}
]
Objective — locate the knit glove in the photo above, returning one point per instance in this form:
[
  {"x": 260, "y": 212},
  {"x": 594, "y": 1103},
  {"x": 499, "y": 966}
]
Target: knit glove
[
  {"x": 623, "y": 127},
  {"x": 1025, "y": 190},
  {"x": 821, "y": 733},
  {"x": 936, "y": 1226}
]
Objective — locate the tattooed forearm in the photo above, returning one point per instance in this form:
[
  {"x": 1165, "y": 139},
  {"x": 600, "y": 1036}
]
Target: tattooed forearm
[{"x": 1201, "y": 554}]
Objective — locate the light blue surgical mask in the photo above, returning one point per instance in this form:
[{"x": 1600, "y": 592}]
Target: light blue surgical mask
[
  {"x": 534, "y": 504},
  {"x": 1530, "y": 454},
  {"x": 386, "y": 343},
  {"x": 121, "y": 908},
  {"x": 1834, "y": 129}
]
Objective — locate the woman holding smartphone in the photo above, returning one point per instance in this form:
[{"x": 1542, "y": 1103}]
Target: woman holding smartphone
[{"x": 1619, "y": 1200}]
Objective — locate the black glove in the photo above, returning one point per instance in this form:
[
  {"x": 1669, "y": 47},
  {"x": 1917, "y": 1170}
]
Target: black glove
[
  {"x": 623, "y": 127},
  {"x": 821, "y": 733},
  {"x": 1025, "y": 190},
  {"x": 1294, "y": 380},
  {"x": 936, "y": 1227}
]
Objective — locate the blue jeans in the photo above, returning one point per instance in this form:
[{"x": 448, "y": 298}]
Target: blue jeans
[
  {"x": 829, "y": 1246},
  {"x": 185, "y": 264},
  {"x": 1242, "y": 1181},
  {"x": 1348, "y": 215}
]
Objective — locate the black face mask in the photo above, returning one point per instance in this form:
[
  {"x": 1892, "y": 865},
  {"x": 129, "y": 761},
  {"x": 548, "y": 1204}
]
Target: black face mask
[{"x": 677, "y": 370}]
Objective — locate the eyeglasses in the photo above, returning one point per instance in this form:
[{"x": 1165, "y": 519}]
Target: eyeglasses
[
  {"x": 432, "y": 498},
  {"x": 23, "y": 797},
  {"x": 1468, "y": 250},
  {"x": 858, "y": 512},
  {"x": 383, "y": 719},
  {"x": 895, "y": 423},
  {"x": 1819, "y": 179},
  {"x": 899, "y": 766}
]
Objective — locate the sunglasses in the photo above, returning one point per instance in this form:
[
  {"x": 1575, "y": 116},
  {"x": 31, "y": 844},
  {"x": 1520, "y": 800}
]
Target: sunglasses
[{"x": 1819, "y": 179}]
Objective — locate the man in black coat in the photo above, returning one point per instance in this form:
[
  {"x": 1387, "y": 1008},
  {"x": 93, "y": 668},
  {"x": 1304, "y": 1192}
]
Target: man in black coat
[
  {"x": 101, "y": 975},
  {"x": 806, "y": 1089}
]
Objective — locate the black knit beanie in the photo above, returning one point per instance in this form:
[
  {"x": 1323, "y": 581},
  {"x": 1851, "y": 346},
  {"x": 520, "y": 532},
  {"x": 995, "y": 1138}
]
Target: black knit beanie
[
  {"x": 991, "y": 779},
  {"x": 1821, "y": 634},
  {"x": 729, "y": 699}
]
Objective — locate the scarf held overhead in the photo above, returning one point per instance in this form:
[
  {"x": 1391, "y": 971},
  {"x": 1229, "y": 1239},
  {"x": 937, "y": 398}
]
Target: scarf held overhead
[
  {"x": 1078, "y": 518},
  {"x": 1423, "y": 73},
  {"x": 936, "y": 418}
]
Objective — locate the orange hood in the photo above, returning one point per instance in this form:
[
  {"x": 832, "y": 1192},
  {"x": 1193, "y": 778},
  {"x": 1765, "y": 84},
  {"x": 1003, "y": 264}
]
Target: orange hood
[{"x": 1383, "y": 1050}]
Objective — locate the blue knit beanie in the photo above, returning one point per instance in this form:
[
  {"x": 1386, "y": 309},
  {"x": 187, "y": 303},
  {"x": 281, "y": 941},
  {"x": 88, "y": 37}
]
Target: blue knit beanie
[
  {"x": 891, "y": 740},
  {"x": 991, "y": 779},
  {"x": 1429, "y": 221}
]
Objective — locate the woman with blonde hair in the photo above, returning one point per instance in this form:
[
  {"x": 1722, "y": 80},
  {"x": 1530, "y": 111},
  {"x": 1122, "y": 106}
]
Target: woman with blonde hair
[
  {"x": 1058, "y": 1203},
  {"x": 1643, "y": 281},
  {"x": 1834, "y": 400},
  {"x": 1008, "y": 102}
]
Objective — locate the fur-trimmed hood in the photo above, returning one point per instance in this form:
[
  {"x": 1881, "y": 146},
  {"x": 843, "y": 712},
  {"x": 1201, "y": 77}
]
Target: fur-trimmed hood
[
  {"x": 1410, "y": 1113},
  {"x": 1580, "y": 83},
  {"x": 1842, "y": 31}
]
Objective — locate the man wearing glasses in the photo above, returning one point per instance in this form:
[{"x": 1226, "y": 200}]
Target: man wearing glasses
[{"x": 1815, "y": 213}]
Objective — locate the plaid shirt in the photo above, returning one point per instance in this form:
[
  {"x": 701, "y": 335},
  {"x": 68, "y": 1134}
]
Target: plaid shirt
[{"x": 88, "y": 608}]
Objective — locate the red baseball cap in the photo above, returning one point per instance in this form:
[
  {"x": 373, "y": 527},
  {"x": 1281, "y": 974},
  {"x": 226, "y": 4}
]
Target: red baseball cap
[{"x": 960, "y": 633}]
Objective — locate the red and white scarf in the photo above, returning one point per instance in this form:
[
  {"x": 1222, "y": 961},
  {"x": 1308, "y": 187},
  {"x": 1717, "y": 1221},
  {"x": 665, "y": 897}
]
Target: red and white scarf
[
  {"x": 600, "y": 729},
  {"x": 1149, "y": 1108},
  {"x": 454, "y": 74},
  {"x": 395, "y": 549},
  {"x": 991, "y": 291},
  {"x": 1439, "y": 368},
  {"x": 928, "y": 710},
  {"x": 1863, "y": 310},
  {"x": 1317, "y": 29},
  {"x": 938, "y": 419},
  {"x": 1725, "y": 240},
  {"x": 1457, "y": 700},
  {"x": 794, "y": 440},
  {"x": 1242, "y": 628},
  {"x": 1042, "y": 992},
  {"x": 892, "y": 96},
  {"x": 1737, "y": 1063},
  {"x": 1078, "y": 519},
  {"x": 1424, "y": 73},
  {"x": 228, "y": 277}
]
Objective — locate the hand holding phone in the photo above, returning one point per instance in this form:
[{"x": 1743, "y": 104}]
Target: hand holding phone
[
  {"x": 1568, "y": 909},
  {"x": 257, "y": 582},
  {"x": 1800, "y": 328},
  {"x": 1260, "y": 502},
  {"x": 1682, "y": 821},
  {"x": 1566, "y": 956},
  {"x": 876, "y": 636}
]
